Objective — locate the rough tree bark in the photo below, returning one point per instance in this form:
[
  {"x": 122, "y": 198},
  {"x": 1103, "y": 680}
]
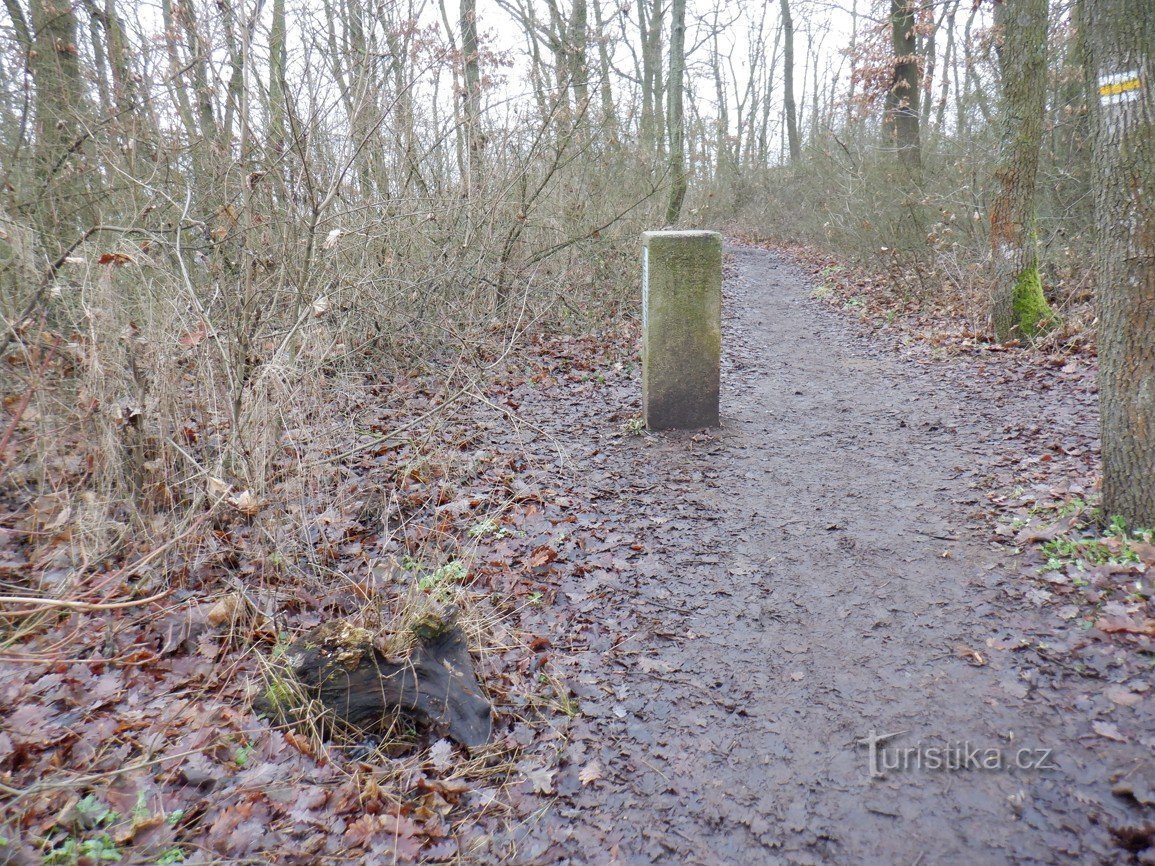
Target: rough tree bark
[
  {"x": 1121, "y": 54},
  {"x": 1018, "y": 308},
  {"x": 577, "y": 37},
  {"x": 53, "y": 60},
  {"x": 788, "y": 105},
  {"x": 471, "y": 95},
  {"x": 650, "y": 29},
  {"x": 277, "y": 58},
  {"x": 675, "y": 123},
  {"x": 902, "y": 99}
]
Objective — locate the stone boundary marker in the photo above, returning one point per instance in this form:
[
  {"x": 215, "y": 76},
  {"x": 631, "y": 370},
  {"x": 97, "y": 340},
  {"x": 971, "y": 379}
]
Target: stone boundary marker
[{"x": 681, "y": 328}]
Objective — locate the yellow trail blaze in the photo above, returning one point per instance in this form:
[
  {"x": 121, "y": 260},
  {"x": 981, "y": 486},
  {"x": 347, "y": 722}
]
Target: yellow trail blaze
[{"x": 1119, "y": 87}]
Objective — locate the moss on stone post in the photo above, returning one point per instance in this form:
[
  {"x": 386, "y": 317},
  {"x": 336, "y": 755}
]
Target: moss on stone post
[{"x": 681, "y": 328}]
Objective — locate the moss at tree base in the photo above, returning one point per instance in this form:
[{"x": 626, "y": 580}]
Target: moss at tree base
[{"x": 1030, "y": 314}]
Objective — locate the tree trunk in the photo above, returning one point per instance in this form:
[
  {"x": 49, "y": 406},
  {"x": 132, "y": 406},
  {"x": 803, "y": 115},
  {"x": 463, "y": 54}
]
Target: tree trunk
[
  {"x": 788, "y": 83},
  {"x": 609, "y": 115},
  {"x": 764, "y": 129},
  {"x": 471, "y": 95},
  {"x": 577, "y": 37},
  {"x": 1121, "y": 54},
  {"x": 277, "y": 56},
  {"x": 902, "y": 99},
  {"x": 930, "y": 55},
  {"x": 948, "y": 64},
  {"x": 1018, "y": 306},
  {"x": 53, "y": 60},
  {"x": 676, "y": 122}
]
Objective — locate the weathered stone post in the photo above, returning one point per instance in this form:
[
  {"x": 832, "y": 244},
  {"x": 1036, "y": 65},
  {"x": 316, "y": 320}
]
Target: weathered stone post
[{"x": 681, "y": 328}]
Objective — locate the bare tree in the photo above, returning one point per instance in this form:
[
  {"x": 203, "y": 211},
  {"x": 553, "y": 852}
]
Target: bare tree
[
  {"x": 471, "y": 95},
  {"x": 676, "y": 123},
  {"x": 788, "y": 106}
]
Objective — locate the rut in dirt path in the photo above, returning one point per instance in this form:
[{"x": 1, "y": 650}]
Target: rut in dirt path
[{"x": 811, "y": 578}]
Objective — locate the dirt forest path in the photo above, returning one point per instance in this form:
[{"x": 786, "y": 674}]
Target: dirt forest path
[{"x": 810, "y": 577}]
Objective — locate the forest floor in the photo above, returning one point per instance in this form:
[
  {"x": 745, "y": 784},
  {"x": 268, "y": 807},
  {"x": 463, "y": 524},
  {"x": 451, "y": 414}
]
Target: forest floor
[
  {"x": 689, "y": 637},
  {"x": 825, "y": 567}
]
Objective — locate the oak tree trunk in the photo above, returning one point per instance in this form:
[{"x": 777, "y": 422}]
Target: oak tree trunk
[
  {"x": 1121, "y": 53},
  {"x": 902, "y": 99},
  {"x": 1018, "y": 307},
  {"x": 53, "y": 60}
]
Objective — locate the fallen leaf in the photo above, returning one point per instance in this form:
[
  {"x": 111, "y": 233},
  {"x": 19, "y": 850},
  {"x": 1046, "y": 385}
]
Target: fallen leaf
[
  {"x": 540, "y": 779},
  {"x": 245, "y": 503},
  {"x": 1109, "y": 730},
  {"x": 971, "y": 656},
  {"x": 441, "y": 755},
  {"x": 1125, "y": 624},
  {"x": 1137, "y": 788},
  {"x": 542, "y": 556},
  {"x": 1122, "y": 696},
  {"x": 299, "y": 742},
  {"x": 196, "y": 336},
  {"x": 225, "y": 610},
  {"x": 217, "y": 487},
  {"x": 590, "y": 773}
]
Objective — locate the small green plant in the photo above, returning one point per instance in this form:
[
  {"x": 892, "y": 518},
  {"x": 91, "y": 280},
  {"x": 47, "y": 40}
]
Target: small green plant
[
  {"x": 279, "y": 693},
  {"x": 92, "y": 812},
  {"x": 171, "y": 856},
  {"x": 483, "y": 528},
  {"x": 635, "y": 426},
  {"x": 1116, "y": 546},
  {"x": 1117, "y": 528},
  {"x": 242, "y": 754},
  {"x": 99, "y": 849},
  {"x": 1072, "y": 507},
  {"x": 141, "y": 811},
  {"x": 453, "y": 572}
]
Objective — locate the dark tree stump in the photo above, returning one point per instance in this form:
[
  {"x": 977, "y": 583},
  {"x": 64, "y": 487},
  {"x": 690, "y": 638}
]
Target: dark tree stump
[{"x": 434, "y": 682}]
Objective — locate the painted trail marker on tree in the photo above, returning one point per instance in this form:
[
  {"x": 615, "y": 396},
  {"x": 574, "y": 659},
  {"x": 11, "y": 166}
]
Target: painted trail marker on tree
[{"x": 681, "y": 328}]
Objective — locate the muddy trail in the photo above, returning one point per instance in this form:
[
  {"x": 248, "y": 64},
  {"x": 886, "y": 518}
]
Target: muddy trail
[{"x": 808, "y": 575}]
